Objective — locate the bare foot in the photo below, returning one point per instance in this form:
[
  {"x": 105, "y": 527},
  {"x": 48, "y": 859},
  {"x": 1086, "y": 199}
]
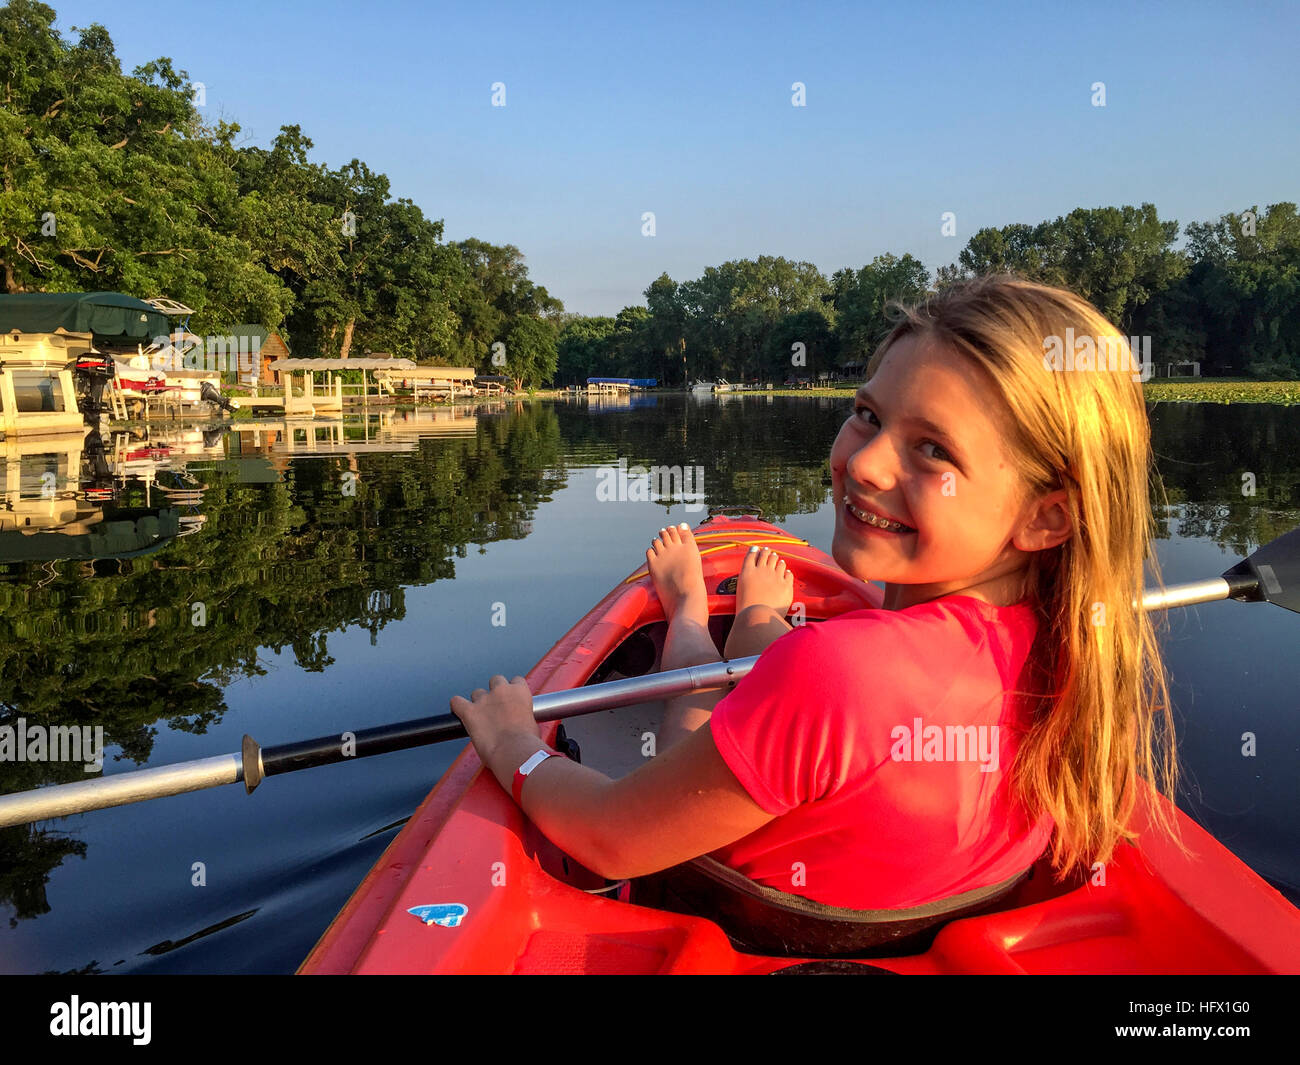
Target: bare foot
[
  {"x": 764, "y": 581},
  {"x": 674, "y": 562}
]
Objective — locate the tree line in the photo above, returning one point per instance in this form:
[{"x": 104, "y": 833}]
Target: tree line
[
  {"x": 1229, "y": 300},
  {"x": 111, "y": 181}
]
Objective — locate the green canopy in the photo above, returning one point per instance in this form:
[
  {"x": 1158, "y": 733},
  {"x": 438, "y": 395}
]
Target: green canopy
[{"x": 105, "y": 314}]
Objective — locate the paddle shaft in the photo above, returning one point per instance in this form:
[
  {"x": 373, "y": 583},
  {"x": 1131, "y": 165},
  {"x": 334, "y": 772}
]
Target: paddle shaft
[
  {"x": 550, "y": 706},
  {"x": 254, "y": 763}
]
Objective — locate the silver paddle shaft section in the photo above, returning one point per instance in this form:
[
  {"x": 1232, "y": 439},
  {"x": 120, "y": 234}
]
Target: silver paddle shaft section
[
  {"x": 122, "y": 788},
  {"x": 578, "y": 701},
  {"x": 118, "y": 790},
  {"x": 1206, "y": 591}
]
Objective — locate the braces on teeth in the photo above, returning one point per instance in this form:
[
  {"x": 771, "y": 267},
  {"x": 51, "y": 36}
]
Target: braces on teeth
[{"x": 872, "y": 519}]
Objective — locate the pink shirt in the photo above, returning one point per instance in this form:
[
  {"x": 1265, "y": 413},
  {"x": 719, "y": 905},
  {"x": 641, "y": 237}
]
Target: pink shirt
[{"x": 882, "y": 740}]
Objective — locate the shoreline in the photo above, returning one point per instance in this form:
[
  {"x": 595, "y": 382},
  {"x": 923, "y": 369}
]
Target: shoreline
[{"x": 1224, "y": 390}]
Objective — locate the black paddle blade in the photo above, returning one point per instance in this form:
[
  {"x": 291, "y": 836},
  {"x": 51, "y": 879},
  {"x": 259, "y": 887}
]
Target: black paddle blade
[{"x": 1271, "y": 574}]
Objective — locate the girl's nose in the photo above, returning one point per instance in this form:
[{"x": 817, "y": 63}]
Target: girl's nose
[{"x": 875, "y": 462}]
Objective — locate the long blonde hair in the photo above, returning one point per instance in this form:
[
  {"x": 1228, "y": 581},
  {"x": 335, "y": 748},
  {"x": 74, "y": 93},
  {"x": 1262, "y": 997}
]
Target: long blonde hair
[{"x": 1103, "y": 720}]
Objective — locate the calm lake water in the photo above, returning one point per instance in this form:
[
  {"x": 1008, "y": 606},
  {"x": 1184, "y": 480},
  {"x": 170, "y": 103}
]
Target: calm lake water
[{"x": 312, "y": 581}]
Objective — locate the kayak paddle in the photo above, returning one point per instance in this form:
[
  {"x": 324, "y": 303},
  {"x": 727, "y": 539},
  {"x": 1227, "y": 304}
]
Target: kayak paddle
[{"x": 1271, "y": 574}]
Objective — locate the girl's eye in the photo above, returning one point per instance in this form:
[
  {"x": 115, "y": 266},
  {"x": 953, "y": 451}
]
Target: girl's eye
[
  {"x": 939, "y": 455},
  {"x": 868, "y": 416}
]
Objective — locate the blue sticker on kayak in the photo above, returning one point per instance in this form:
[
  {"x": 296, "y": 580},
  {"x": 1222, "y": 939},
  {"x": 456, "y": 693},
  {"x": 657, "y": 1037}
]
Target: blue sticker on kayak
[{"x": 447, "y": 914}]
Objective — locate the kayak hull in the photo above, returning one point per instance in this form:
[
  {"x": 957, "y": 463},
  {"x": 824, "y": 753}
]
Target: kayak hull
[{"x": 471, "y": 886}]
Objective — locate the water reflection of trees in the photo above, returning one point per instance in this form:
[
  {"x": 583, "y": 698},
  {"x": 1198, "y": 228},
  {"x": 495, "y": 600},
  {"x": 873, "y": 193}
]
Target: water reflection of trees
[
  {"x": 1204, "y": 453},
  {"x": 754, "y": 450},
  {"x": 28, "y": 855},
  {"x": 277, "y": 566}
]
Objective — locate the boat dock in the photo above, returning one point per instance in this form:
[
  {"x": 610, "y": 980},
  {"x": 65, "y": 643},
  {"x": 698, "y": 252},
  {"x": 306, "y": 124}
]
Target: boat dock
[{"x": 618, "y": 385}]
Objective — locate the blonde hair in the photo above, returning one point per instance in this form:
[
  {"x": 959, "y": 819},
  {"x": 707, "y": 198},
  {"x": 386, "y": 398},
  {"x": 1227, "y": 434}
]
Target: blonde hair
[{"x": 1102, "y": 719}]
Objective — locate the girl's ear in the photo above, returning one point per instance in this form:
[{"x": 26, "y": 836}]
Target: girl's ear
[{"x": 1047, "y": 525}]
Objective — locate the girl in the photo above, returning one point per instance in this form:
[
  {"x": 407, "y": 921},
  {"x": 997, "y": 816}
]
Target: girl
[{"x": 1003, "y": 504}]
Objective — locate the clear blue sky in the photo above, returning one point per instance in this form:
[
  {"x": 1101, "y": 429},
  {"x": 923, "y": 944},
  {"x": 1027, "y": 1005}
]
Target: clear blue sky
[{"x": 685, "y": 110}]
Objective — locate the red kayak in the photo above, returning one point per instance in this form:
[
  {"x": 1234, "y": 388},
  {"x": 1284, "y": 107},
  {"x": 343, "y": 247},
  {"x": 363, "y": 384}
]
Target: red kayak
[{"x": 471, "y": 886}]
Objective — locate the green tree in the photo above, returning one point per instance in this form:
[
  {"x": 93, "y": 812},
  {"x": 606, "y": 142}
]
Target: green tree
[
  {"x": 1245, "y": 280},
  {"x": 668, "y": 329},
  {"x": 732, "y": 309},
  {"x": 109, "y": 181},
  {"x": 861, "y": 300},
  {"x": 583, "y": 350},
  {"x": 815, "y": 331},
  {"x": 1118, "y": 257},
  {"x": 491, "y": 293},
  {"x": 530, "y": 352},
  {"x": 1115, "y": 257},
  {"x": 287, "y": 224}
]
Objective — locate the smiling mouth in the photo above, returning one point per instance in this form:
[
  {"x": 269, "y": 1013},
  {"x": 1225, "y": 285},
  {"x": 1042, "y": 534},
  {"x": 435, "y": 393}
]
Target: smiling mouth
[{"x": 875, "y": 520}]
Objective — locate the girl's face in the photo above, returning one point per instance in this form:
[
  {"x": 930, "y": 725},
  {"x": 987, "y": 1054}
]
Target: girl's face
[{"x": 923, "y": 449}]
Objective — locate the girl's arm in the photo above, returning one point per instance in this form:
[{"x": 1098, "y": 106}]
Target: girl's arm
[{"x": 679, "y": 805}]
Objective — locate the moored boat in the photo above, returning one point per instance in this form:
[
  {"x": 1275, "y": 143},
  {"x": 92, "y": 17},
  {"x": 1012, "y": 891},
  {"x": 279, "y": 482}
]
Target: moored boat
[
  {"x": 471, "y": 886},
  {"x": 106, "y": 341},
  {"x": 708, "y": 388},
  {"x": 37, "y": 391},
  {"x": 172, "y": 369}
]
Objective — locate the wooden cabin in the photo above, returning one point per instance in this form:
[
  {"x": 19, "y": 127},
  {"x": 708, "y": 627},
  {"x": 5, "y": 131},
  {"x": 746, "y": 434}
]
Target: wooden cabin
[{"x": 269, "y": 345}]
